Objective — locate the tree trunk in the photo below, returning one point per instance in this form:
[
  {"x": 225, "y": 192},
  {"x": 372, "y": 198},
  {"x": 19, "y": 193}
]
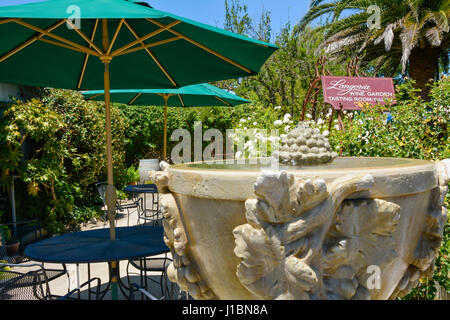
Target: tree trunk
[{"x": 423, "y": 66}]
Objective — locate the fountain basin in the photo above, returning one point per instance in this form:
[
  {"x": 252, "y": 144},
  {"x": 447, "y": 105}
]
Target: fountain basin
[{"x": 355, "y": 228}]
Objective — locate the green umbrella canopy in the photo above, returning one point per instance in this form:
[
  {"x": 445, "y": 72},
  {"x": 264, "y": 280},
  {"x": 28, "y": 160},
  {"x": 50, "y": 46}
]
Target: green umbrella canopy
[
  {"x": 146, "y": 47},
  {"x": 189, "y": 96}
]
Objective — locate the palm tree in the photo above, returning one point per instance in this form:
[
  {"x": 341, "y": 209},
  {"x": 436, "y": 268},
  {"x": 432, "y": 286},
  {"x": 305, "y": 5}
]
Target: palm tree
[{"x": 413, "y": 34}]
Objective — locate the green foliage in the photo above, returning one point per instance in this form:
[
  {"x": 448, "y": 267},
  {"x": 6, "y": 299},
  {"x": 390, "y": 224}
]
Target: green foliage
[
  {"x": 56, "y": 145},
  {"x": 33, "y": 121},
  {"x": 132, "y": 174},
  {"x": 85, "y": 136},
  {"x": 144, "y": 133},
  {"x": 5, "y": 233},
  {"x": 145, "y": 127},
  {"x": 418, "y": 129},
  {"x": 237, "y": 19}
]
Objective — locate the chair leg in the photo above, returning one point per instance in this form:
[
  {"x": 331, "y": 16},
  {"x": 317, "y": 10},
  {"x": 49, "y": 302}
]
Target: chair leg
[
  {"x": 161, "y": 284},
  {"x": 105, "y": 218}
]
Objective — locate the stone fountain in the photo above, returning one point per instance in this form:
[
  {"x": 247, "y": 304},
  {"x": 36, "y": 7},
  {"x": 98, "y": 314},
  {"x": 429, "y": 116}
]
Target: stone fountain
[{"x": 321, "y": 227}]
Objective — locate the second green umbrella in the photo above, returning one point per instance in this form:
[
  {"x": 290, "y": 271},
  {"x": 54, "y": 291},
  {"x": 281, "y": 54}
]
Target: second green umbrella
[{"x": 199, "y": 95}]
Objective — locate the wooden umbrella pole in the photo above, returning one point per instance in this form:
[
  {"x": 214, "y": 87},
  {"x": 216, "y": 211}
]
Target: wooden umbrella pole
[
  {"x": 110, "y": 189},
  {"x": 166, "y": 98},
  {"x": 110, "y": 192}
]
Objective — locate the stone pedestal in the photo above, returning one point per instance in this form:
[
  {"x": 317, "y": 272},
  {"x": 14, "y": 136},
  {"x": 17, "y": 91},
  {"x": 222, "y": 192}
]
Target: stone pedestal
[{"x": 361, "y": 228}]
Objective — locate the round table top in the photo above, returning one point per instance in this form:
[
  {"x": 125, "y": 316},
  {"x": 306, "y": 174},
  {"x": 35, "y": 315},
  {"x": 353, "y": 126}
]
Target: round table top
[
  {"x": 142, "y": 188},
  {"x": 96, "y": 246}
]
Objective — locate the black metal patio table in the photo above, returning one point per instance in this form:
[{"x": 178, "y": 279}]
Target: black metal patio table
[
  {"x": 95, "y": 246},
  {"x": 148, "y": 214}
]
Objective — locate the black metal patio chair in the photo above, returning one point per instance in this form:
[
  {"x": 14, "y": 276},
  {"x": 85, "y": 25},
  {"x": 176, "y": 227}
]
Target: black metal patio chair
[
  {"x": 136, "y": 203},
  {"x": 31, "y": 282},
  {"x": 154, "y": 264},
  {"x": 134, "y": 287},
  {"x": 151, "y": 212},
  {"x": 23, "y": 285},
  {"x": 70, "y": 294}
]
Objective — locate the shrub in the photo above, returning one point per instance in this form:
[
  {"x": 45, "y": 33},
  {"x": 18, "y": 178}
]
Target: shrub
[
  {"x": 56, "y": 145},
  {"x": 418, "y": 129}
]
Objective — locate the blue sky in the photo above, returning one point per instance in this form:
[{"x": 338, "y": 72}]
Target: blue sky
[{"x": 212, "y": 12}]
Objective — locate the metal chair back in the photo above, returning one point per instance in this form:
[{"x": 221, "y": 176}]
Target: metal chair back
[
  {"x": 101, "y": 188},
  {"x": 136, "y": 203},
  {"x": 26, "y": 285}
]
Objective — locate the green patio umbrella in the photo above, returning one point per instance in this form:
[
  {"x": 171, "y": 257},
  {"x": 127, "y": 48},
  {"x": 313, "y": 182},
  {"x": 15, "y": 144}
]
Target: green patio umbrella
[
  {"x": 199, "y": 95},
  {"x": 78, "y": 44}
]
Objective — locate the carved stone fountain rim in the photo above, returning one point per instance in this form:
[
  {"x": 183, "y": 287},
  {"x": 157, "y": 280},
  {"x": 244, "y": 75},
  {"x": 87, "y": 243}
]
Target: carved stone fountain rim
[
  {"x": 188, "y": 166},
  {"x": 210, "y": 184}
]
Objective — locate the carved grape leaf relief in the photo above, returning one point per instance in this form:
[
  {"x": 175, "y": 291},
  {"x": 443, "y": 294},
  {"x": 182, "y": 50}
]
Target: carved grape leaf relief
[
  {"x": 426, "y": 251},
  {"x": 361, "y": 236},
  {"x": 181, "y": 270},
  {"x": 301, "y": 238}
]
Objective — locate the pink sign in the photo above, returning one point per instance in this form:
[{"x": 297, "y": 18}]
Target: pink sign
[{"x": 351, "y": 93}]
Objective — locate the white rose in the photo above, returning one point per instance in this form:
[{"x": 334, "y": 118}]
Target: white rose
[{"x": 278, "y": 122}]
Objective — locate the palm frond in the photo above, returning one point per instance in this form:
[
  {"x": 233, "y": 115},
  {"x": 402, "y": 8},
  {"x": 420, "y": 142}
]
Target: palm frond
[
  {"x": 317, "y": 11},
  {"x": 403, "y": 26},
  {"x": 415, "y": 6},
  {"x": 344, "y": 43},
  {"x": 387, "y": 36},
  {"x": 315, "y": 3},
  {"x": 409, "y": 38},
  {"x": 440, "y": 18},
  {"x": 345, "y": 4},
  {"x": 434, "y": 36}
]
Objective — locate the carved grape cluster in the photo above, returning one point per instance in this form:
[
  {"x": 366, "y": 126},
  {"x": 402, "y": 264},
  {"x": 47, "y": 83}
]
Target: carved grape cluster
[
  {"x": 181, "y": 270},
  {"x": 305, "y": 145}
]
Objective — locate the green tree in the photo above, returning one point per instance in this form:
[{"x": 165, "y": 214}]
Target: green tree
[
  {"x": 412, "y": 33},
  {"x": 237, "y": 19},
  {"x": 284, "y": 79},
  {"x": 55, "y": 144}
]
